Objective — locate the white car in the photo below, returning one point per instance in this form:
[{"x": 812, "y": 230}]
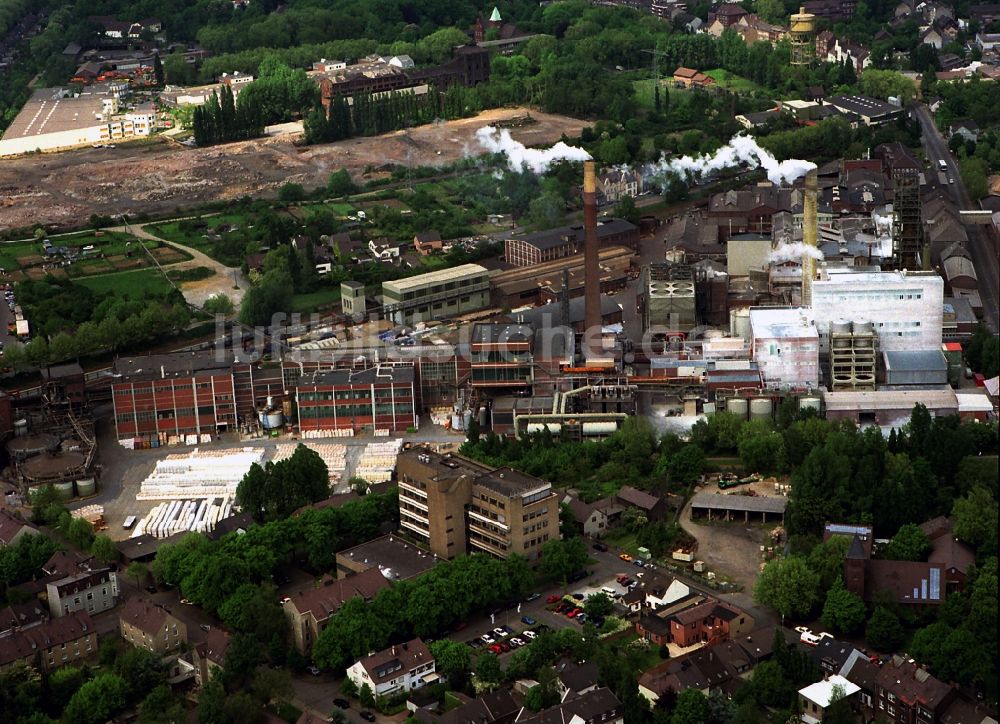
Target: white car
[
  {"x": 516, "y": 642},
  {"x": 529, "y": 635},
  {"x": 499, "y": 633},
  {"x": 487, "y": 639}
]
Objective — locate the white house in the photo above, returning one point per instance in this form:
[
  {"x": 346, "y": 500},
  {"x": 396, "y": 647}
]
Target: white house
[
  {"x": 383, "y": 251},
  {"x": 395, "y": 670},
  {"x": 816, "y": 698}
]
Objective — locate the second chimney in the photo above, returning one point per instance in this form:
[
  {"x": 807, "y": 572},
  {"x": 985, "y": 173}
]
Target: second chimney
[{"x": 592, "y": 275}]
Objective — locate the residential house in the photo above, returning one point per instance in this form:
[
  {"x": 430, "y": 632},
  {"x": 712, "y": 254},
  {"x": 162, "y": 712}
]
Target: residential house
[
  {"x": 576, "y": 677},
  {"x": 617, "y": 184},
  {"x": 12, "y": 528},
  {"x": 148, "y": 625},
  {"x": 594, "y": 519},
  {"x": 210, "y": 655},
  {"x": 694, "y": 620},
  {"x": 654, "y": 592},
  {"x": 309, "y": 609},
  {"x": 92, "y": 590},
  {"x": 428, "y": 242},
  {"x": 955, "y": 556},
  {"x": 703, "y": 670},
  {"x": 654, "y": 507},
  {"x": 383, "y": 250},
  {"x": 727, "y": 14},
  {"x": 51, "y": 644},
  {"x": 816, "y": 698},
  {"x": 18, "y": 616},
  {"x": 906, "y": 692},
  {"x": 395, "y": 670},
  {"x": 690, "y": 78},
  {"x": 758, "y": 645},
  {"x": 498, "y": 707},
  {"x": 933, "y": 37},
  {"x": 969, "y": 130},
  {"x": 599, "y": 705}
]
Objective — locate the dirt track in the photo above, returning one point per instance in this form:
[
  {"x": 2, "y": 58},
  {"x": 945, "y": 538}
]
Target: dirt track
[{"x": 66, "y": 188}]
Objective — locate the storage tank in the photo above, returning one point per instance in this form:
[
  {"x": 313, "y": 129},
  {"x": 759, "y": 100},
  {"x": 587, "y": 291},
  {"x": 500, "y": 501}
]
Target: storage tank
[
  {"x": 64, "y": 490},
  {"x": 739, "y": 322},
  {"x": 553, "y": 427},
  {"x": 737, "y": 406},
  {"x": 840, "y": 327},
  {"x": 270, "y": 418},
  {"x": 467, "y": 419},
  {"x": 809, "y": 403},
  {"x": 484, "y": 417},
  {"x": 86, "y": 487},
  {"x": 20, "y": 427},
  {"x": 457, "y": 421},
  {"x": 761, "y": 408},
  {"x": 863, "y": 333},
  {"x": 599, "y": 428}
]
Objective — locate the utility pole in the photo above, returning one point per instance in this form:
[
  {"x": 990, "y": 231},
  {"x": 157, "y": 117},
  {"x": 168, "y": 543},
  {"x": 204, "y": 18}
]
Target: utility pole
[{"x": 657, "y": 54}]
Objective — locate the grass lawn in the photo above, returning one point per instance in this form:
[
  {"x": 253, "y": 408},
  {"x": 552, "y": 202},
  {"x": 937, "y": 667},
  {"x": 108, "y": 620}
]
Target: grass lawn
[
  {"x": 128, "y": 284},
  {"x": 311, "y": 301},
  {"x": 733, "y": 82},
  {"x": 172, "y": 231},
  {"x": 646, "y": 658},
  {"x": 644, "y": 90}
]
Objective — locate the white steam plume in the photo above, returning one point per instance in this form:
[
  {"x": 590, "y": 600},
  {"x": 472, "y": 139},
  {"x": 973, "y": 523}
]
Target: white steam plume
[
  {"x": 883, "y": 225},
  {"x": 794, "y": 252},
  {"x": 520, "y": 156},
  {"x": 740, "y": 149}
]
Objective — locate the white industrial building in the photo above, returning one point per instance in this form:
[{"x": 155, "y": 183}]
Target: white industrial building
[
  {"x": 785, "y": 345},
  {"x": 906, "y": 308},
  {"x": 55, "y": 118}
]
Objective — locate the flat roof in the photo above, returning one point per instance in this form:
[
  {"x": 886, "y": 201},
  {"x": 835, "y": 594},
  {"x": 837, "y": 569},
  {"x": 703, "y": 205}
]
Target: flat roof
[
  {"x": 752, "y": 503},
  {"x": 873, "y": 278},
  {"x": 821, "y": 693},
  {"x": 783, "y": 323},
  {"x": 864, "y": 106},
  {"x": 441, "y": 275},
  {"x": 395, "y": 558},
  {"x": 550, "y": 238},
  {"x": 915, "y": 360},
  {"x": 48, "y": 112},
  {"x": 851, "y": 400},
  {"x": 372, "y": 375},
  {"x": 164, "y": 366}
]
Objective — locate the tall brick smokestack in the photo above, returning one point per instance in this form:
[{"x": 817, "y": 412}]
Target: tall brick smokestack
[
  {"x": 592, "y": 274},
  {"x": 810, "y": 223}
]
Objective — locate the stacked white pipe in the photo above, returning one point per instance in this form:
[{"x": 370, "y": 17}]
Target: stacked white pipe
[
  {"x": 319, "y": 434},
  {"x": 89, "y": 513},
  {"x": 378, "y": 461},
  {"x": 199, "y": 474},
  {"x": 178, "y": 516}
]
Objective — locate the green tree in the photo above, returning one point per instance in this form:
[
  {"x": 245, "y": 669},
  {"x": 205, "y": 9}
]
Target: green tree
[
  {"x": 63, "y": 683},
  {"x": 349, "y": 688},
  {"x": 562, "y": 558},
  {"x": 598, "y": 605},
  {"x": 975, "y": 520},
  {"x": 788, "y": 586},
  {"x": 769, "y": 685},
  {"x": 341, "y": 184},
  {"x": 104, "y": 549},
  {"x": 909, "y": 544},
  {"x": 97, "y": 701},
  {"x": 626, "y": 209},
  {"x": 161, "y": 706},
  {"x": 687, "y": 465},
  {"x": 158, "y": 73},
  {"x": 843, "y": 611},
  {"x": 884, "y": 630},
  {"x": 366, "y": 696},
  {"x": 141, "y": 670},
  {"x": 80, "y": 533},
  {"x": 488, "y": 668},
  {"x": 211, "y": 702},
  {"x": 291, "y": 193},
  {"x": 691, "y": 708},
  {"x": 452, "y": 661}
]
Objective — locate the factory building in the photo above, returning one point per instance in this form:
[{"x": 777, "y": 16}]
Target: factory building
[
  {"x": 541, "y": 284},
  {"x": 667, "y": 297},
  {"x": 564, "y": 241},
  {"x": 785, "y": 346},
  {"x": 501, "y": 356},
  {"x": 455, "y": 506},
  {"x": 904, "y": 307},
  {"x": 436, "y": 295},
  {"x": 55, "y": 118},
  {"x": 159, "y": 397},
  {"x": 378, "y": 398}
]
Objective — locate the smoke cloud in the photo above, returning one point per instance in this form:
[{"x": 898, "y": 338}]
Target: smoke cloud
[
  {"x": 883, "y": 225},
  {"x": 520, "y": 156},
  {"x": 794, "y": 252},
  {"x": 740, "y": 149}
]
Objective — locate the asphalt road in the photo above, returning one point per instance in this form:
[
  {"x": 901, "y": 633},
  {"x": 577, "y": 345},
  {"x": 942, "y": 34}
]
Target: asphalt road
[{"x": 983, "y": 242}]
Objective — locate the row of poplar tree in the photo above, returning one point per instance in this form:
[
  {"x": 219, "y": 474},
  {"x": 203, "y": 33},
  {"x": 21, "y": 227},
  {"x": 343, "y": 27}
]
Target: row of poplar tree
[
  {"x": 369, "y": 115},
  {"x": 224, "y": 118}
]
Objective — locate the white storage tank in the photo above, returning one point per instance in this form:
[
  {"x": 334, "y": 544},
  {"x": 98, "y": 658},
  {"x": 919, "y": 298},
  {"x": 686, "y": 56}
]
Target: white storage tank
[
  {"x": 553, "y": 427},
  {"x": 271, "y": 418},
  {"x": 737, "y": 406},
  {"x": 64, "y": 490},
  {"x": 86, "y": 487},
  {"x": 20, "y": 427},
  {"x": 761, "y": 408},
  {"x": 599, "y": 428},
  {"x": 809, "y": 403}
]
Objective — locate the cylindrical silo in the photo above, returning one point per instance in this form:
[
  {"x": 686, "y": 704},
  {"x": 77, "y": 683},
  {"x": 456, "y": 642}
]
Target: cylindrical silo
[
  {"x": 761, "y": 408},
  {"x": 737, "y": 406}
]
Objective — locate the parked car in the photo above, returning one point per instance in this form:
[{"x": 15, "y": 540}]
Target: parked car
[
  {"x": 314, "y": 670},
  {"x": 475, "y": 643},
  {"x": 602, "y": 547},
  {"x": 625, "y": 557},
  {"x": 533, "y": 597},
  {"x": 574, "y": 613},
  {"x": 367, "y": 716},
  {"x": 554, "y": 598},
  {"x": 581, "y": 618},
  {"x": 504, "y": 646},
  {"x": 639, "y": 562},
  {"x": 342, "y": 703},
  {"x": 499, "y": 632},
  {"x": 507, "y": 630},
  {"x": 495, "y": 648},
  {"x": 515, "y": 642},
  {"x": 528, "y": 620},
  {"x": 487, "y": 639},
  {"x": 578, "y": 596},
  {"x": 529, "y": 635}
]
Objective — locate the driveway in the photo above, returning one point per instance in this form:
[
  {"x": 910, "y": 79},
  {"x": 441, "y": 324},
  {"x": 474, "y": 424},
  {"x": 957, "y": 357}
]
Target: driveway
[{"x": 226, "y": 280}]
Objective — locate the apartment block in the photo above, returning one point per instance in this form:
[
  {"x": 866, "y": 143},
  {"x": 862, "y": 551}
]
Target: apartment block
[
  {"x": 50, "y": 644},
  {"x": 379, "y": 398},
  {"x": 163, "y": 396},
  {"x": 90, "y": 591},
  {"x": 437, "y": 295},
  {"x": 455, "y": 506},
  {"x": 147, "y": 625}
]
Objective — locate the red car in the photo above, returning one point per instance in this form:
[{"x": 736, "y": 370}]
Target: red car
[
  {"x": 554, "y": 598},
  {"x": 504, "y": 646},
  {"x": 495, "y": 648},
  {"x": 574, "y": 613}
]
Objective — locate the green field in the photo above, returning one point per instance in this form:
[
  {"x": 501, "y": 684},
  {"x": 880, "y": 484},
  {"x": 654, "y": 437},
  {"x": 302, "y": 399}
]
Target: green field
[
  {"x": 733, "y": 82},
  {"x": 172, "y": 231},
  {"x": 128, "y": 284},
  {"x": 305, "y": 303},
  {"x": 109, "y": 243}
]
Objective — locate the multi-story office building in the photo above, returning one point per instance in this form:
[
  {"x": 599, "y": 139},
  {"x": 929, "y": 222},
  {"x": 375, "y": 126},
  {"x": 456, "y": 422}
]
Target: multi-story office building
[
  {"x": 172, "y": 395},
  {"x": 379, "y": 398},
  {"x": 437, "y": 295},
  {"x": 455, "y": 506},
  {"x": 906, "y": 308},
  {"x": 501, "y": 355}
]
